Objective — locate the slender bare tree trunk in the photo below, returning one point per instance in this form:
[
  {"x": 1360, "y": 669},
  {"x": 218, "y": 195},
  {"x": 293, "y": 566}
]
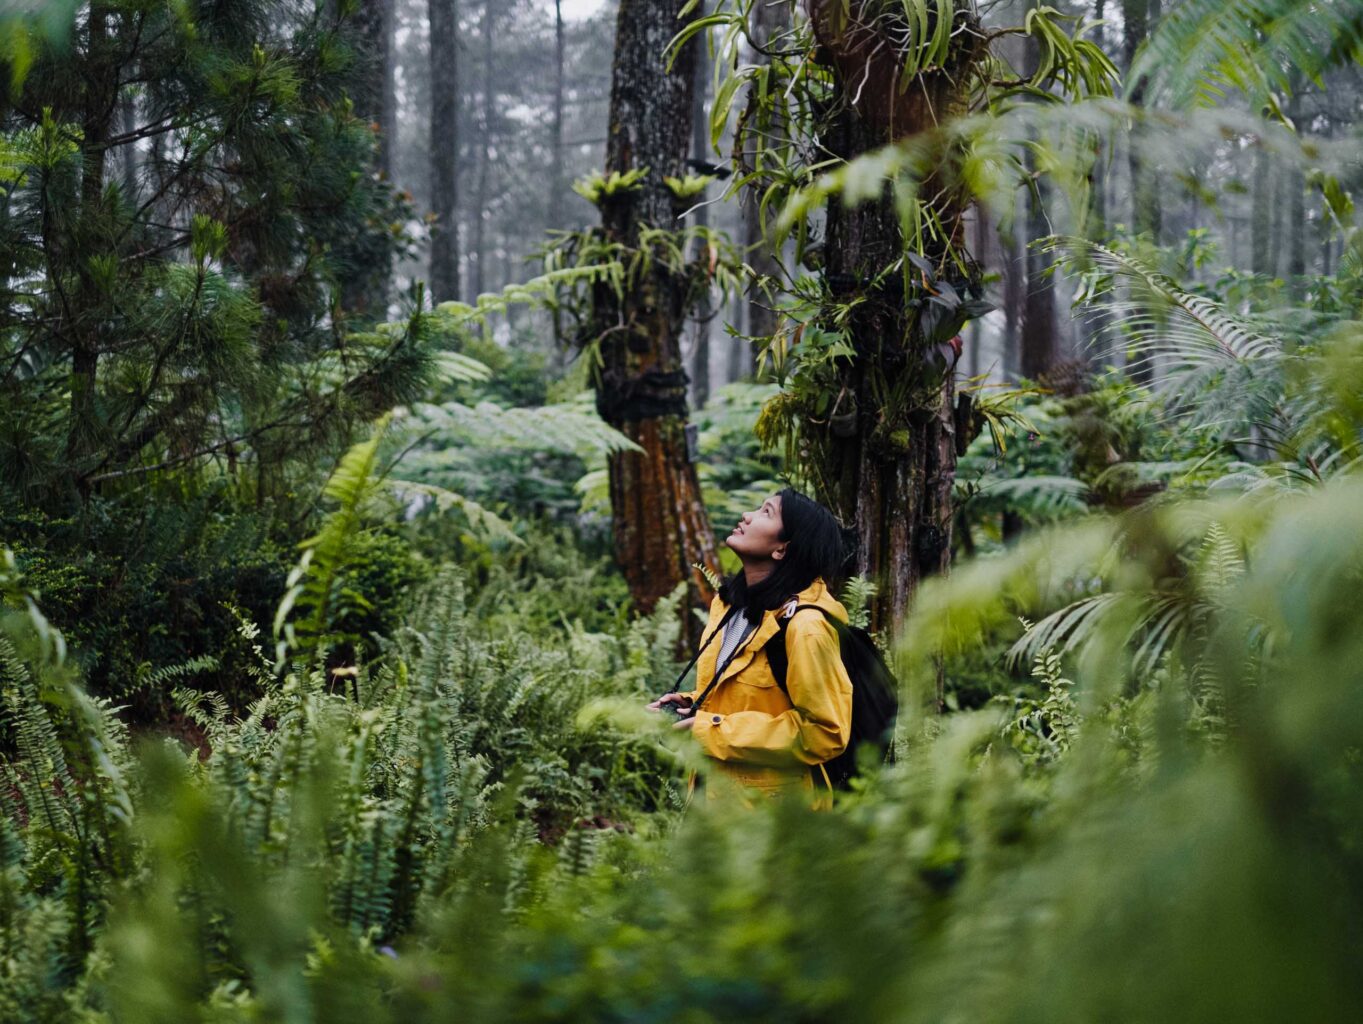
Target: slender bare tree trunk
[
  {"x": 700, "y": 150},
  {"x": 480, "y": 217},
  {"x": 1295, "y": 206},
  {"x": 1261, "y": 219},
  {"x": 769, "y": 20},
  {"x": 1039, "y": 326},
  {"x": 558, "y": 185},
  {"x": 389, "y": 106},
  {"x": 444, "y": 143},
  {"x": 1139, "y": 17},
  {"x": 100, "y": 102},
  {"x": 659, "y": 520},
  {"x": 127, "y": 112},
  {"x": 1014, "y": 270},
  {"x": 740, "y": 361},
  {"x": 365, "y": 281}
]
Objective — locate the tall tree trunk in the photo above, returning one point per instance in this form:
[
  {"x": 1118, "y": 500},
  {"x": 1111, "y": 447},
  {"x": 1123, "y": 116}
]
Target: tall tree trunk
[
  {"x": 389, "y": 107},
  {"x": 983, "y": 231},
  {"x": 1276, "y": 226},
  {"x": 365, "y": 282},
  {"x": 558, "y": 186},
  {"x": 100, "y": 102},
  {"x": 370, "y": 28},
  {"x": 1095, "y": 337},
  {"x": 740, "y": 355},
  {"x": 1139, "y": 17},
  {"x": 1039, "y": 348},
  {"x": 444, "y": 143},
  {"x": 1145, "y": 204},
  {"x": 891, "y": 473},
  {"x": 700, "y": 150},
  {"x": 1295, "y": 207},
  {"x": 1261, "y": 203},
  {"x": 660, "y": 524},
  {"x": 127, "y": 112},
  {"x": 769, "y": 19},
  {"x": 1014, "y": 268},
  {"x": 480, "y": 217}
]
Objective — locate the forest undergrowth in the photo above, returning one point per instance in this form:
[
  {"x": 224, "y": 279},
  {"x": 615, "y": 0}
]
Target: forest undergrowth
[
  {"x": 476, "y": 819},
  {"x": 321, "y": 691}
]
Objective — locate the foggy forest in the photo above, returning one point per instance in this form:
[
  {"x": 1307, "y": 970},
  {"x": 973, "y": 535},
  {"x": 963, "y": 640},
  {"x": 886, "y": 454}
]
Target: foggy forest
[{"x": 681, "y": 510}]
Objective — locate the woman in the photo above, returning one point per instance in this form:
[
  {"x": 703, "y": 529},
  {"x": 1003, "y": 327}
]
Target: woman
[{"x": 759, "y": 736}]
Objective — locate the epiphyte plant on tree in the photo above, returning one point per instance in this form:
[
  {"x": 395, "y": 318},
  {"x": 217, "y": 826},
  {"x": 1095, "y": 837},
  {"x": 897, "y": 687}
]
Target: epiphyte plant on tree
[{"x": 849, "y": 143}]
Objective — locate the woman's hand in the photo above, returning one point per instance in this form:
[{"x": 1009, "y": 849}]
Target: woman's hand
[{"x": 668, "y": 698}]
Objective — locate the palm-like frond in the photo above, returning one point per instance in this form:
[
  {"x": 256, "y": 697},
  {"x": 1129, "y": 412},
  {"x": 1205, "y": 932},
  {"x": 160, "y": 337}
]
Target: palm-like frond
[
  {"x": 568, "y": 427},
  {"x": 1204, "y": 48},
  {"x": 1151, "y": 622},
  {"x": 1217, "y": 370},
  {"x": 1161, "y": 316},
  {"x": 1045, "y": 496}
]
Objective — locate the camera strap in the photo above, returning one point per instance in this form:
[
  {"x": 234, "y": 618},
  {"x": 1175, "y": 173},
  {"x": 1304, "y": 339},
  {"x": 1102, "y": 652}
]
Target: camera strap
[
  {"x": 719, "y": 669},
  {"x": 709, "y": 640}
]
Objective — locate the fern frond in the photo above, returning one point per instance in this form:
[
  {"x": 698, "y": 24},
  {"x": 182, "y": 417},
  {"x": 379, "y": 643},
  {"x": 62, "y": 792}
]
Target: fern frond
[
  {"x": 1160, "y": 317},
  {"x": 316, "y": 587},
  {"x": 1203, "y": 49}
]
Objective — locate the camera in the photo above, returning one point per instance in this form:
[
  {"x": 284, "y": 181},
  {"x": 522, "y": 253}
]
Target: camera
[{"x": 675, "y": 709}]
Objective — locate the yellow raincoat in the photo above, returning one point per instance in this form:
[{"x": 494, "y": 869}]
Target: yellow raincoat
[{"x": 760, "y": 738}]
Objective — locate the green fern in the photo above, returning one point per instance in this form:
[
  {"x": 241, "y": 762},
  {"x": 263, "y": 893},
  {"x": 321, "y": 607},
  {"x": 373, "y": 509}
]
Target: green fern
[
  {"x": 1203, "y": 49},
  {"x": 317, "y": 588},
  {"x": 857, "y": 597}
]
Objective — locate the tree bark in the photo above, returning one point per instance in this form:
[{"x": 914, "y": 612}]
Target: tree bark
[
  {"x": 444, "y": 21},
  {"x": 558, "y": 186},
  {"x": 891, "y": 476},
  {"x": 484, "y": 154},
  {"x": 389, "y": 107},
  {"x": 1295, "y": 206},
  {"x": 100, "y": 103},
  {"x": 1138, "y": 17},
  {"x": 127, "y": 107},
  {"x": 700, "y": 150},
  {"x": 660, "y": 525},
  {"x": 768, "y": 21},
  {"x": 1261, "y": 203},
  {"x": 740, "y": 357},
  {"x": 1039, "y": 349},
  {"x": 365, "y": 283},
  {"x": 1014, "y": 268}
]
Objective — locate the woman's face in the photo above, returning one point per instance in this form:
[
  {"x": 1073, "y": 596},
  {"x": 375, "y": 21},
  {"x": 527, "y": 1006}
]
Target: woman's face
[{"x": 757, "y": 537}]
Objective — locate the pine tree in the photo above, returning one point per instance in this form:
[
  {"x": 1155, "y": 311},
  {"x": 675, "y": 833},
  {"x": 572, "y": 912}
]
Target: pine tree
[{"x": 185, "y": 201}]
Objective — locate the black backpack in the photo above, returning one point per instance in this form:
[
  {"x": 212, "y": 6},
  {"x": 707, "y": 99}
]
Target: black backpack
[{"x": 874, "y": 692}]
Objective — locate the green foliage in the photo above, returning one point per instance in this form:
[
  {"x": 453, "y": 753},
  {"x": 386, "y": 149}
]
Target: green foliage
[
  {"x": 736, "y": 473},
  {"x": 1204, "y": 50},
  {"x": 1262, "y": 388},
  {"x": 599, "y": 187},
  {"x": 437, "y": 797},
  {"x": 377, "y": 837},
  {"x": 181, "y": 317}
]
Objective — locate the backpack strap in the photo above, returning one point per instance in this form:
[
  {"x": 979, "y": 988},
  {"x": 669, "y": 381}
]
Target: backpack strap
[{"x": 778, "y": 658}]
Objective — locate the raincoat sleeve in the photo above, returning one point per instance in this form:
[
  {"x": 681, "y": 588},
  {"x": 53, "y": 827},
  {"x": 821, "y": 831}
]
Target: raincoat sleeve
[{"x": 818, "y": 726}]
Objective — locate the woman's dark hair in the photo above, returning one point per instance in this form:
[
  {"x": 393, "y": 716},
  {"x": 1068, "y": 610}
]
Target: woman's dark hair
[{"x": 814, "y": 550}]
